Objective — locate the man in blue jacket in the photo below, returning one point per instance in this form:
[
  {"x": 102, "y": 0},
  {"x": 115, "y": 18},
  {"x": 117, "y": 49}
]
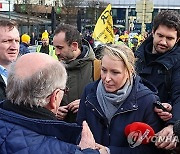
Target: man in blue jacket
[
  {"x": 25, "y": 42},
  {"x": 28, "y": 119},
  {"x": 159, "y": 62}
]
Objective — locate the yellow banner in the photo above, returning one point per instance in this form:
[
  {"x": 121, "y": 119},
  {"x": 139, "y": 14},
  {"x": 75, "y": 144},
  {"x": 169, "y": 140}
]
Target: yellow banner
[{"x": 103, "y": 30}]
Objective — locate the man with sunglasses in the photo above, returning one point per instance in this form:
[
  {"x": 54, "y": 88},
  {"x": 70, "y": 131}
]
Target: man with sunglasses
[{"x": 28, "y": 118}]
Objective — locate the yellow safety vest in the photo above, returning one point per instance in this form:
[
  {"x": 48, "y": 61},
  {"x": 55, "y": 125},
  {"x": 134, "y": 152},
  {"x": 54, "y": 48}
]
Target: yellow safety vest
[{"x": 51, "y": 51}]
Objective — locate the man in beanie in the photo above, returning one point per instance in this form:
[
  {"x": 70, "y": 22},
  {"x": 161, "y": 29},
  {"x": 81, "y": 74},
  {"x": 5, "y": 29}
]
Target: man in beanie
[
  {"x": 46, "y": 47},
  {"x": 25, "y": 41}
]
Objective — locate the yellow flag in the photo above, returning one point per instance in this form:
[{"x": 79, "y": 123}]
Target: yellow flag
[{"x": 103, "y": 30}]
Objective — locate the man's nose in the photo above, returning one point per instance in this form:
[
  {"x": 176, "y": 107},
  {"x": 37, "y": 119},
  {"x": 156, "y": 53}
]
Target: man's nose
[
  {"x": 163, "y": 40},
  {"x": 14, "y": 44},
  {"x": 57, "y": 51}
]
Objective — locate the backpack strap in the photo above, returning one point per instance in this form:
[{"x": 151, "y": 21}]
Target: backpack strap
[{"x": 96, "y": 69}]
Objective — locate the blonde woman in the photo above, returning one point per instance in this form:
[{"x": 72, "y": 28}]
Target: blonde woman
[{"x": 116, "y": 100}]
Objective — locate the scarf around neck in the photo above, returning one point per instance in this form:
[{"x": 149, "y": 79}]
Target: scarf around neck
[{"x": 111, "y": 102}]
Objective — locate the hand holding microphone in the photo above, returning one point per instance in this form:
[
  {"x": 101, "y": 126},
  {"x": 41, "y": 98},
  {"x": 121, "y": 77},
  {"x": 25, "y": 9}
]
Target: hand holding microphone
[
  {"x": 167, "y": 138},
  {"x": 176, "y": 128},
  {"x": 140, "y": 133}
]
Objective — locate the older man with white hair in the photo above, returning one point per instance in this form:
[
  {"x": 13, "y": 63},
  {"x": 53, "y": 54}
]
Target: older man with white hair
[{"x": 28, "y": 119}]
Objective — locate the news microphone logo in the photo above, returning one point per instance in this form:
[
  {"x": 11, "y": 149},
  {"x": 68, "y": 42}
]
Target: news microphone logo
[
  {"x": 135, "y": 138},
  {"x": 138, "y": 133}
]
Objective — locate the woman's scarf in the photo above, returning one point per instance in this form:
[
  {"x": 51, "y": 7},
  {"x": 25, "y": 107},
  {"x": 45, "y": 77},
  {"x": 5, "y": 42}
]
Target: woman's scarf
[{"x": 111, "y": 102}]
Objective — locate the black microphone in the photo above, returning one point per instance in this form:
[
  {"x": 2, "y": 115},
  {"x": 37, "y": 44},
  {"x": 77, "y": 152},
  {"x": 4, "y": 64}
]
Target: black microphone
[{"x": 176, "y": 128}]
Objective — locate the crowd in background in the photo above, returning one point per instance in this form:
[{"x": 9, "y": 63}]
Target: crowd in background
[{"x": 52, "y": 103}]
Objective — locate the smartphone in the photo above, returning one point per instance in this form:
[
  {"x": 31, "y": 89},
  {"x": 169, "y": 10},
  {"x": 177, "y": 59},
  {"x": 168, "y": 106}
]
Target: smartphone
[{"x": 160, "y": 106}]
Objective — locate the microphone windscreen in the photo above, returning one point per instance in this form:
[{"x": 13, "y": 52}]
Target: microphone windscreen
[
  {"x": 176, "y": 128},
  {"x": 140, "y": 131}
]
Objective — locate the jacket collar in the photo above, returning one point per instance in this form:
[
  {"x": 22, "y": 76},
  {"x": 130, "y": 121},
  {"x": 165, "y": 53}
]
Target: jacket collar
[
  {"x": 2, "y": 81},
  {"x": 30, "y": 112},
  {"x": 85, "y": 57},
  {"x": 169, "y": 59},
  {"x": 129, "y": 105},
  {"x": 67, "y": 132},
  {"x": 25, "y": 44},
  {"x": 139, "y": 90}
]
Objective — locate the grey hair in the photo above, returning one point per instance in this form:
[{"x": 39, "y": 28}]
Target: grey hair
[{"x": 35, "y": 89}]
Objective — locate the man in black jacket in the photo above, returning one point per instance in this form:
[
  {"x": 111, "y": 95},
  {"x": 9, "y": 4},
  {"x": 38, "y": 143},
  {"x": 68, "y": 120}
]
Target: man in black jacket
[
  {"x": 9, "y": 50},
  {"x": 159, "y": 62}
]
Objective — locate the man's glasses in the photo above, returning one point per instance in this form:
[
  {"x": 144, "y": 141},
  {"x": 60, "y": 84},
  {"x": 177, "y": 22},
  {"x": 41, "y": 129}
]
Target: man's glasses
[{"x": 66, "y": 90}]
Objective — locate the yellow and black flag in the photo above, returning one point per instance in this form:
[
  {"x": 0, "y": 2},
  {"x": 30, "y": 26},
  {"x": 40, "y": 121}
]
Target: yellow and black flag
[{"x": 103, "y": 30}]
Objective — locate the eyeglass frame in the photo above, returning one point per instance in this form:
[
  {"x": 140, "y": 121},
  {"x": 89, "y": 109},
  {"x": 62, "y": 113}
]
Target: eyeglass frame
[{"x": 66, "y": 90}]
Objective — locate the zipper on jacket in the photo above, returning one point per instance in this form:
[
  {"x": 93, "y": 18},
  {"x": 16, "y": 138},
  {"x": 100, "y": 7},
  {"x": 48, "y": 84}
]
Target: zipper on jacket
[
  {"x": 95, "y": 108},
  {"x": 122, "y": 113},
  {"x": 107, "y": 124}
]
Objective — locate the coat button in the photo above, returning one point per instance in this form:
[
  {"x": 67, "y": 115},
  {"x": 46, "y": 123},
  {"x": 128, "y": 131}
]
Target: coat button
[
  {"x": 4, "y": 136},
  {"x": 121, "y": 108},
  {"x": 93, "y": 110},
  {"x": 8, "y": 129},
  {"x": 134, "y": 106}
]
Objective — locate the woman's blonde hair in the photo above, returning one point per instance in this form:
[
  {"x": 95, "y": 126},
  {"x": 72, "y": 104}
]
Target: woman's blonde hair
[{"x": 122, "y": 52}]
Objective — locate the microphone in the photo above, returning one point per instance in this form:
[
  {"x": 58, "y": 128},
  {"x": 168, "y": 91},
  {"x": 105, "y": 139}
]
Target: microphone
[
  {"x": 176, "y": 128},
  {"x": 138, "y": 133}
]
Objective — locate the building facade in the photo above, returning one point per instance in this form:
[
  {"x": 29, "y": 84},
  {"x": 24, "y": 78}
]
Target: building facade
[
  {"x": 38, "y": 12},
  {"x": 124, "y": 11},
  {"x": 40, "y": 2}
]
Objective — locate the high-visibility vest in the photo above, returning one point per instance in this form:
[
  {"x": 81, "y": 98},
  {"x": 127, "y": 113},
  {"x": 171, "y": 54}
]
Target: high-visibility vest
[{"x": 51, "y": 51}]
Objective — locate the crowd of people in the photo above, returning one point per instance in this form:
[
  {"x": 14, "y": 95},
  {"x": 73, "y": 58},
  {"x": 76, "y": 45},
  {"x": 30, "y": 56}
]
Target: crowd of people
[{"x": 51, "y": 102}]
